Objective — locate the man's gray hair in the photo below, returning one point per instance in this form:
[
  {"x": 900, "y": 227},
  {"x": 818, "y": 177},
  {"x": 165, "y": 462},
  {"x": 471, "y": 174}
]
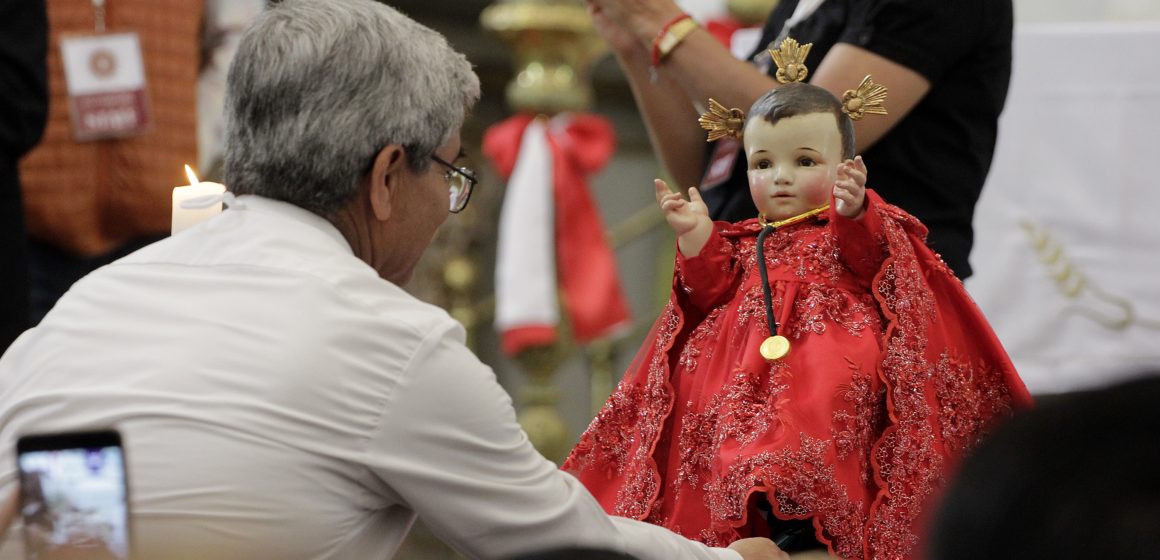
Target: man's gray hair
[{"x": 318, "y": 87}]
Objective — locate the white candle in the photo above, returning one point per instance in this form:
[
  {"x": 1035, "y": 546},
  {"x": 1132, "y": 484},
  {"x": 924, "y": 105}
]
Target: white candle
[{"x": 187, "y": 217}]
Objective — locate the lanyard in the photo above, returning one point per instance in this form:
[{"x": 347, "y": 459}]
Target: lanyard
[
  {"x": 776, "y": 345},
  {"x": 99, "y": 15}
]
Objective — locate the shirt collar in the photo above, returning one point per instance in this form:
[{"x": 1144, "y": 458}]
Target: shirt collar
[{"x": 256, "y": 203}]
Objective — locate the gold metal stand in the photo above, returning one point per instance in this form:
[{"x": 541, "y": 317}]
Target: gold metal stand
[
  {"x": 554, "y": 45},
  {"x": 459, "y": 277}
]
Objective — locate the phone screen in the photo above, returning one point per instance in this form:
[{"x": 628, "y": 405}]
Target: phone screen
[{"x": 74, "y": 498}]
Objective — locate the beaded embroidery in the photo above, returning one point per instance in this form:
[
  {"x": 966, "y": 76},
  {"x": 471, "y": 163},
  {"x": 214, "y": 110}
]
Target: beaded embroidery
[{"x": 885, "y": 437}]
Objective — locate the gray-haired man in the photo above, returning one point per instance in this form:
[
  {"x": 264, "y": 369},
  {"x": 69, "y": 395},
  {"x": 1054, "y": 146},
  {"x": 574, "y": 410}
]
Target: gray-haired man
[{"x": 279, "y": 395}]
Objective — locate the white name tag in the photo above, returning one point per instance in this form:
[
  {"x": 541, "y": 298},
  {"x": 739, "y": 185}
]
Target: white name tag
[{"x": 105, "y": 76}]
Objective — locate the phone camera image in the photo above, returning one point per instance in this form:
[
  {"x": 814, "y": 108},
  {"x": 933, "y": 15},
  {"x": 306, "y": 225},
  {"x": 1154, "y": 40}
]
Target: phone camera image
[{"x": 74, "y": 501}]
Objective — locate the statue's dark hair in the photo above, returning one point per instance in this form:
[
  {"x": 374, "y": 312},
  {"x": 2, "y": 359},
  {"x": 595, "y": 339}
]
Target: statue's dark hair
[{"x": 799, "y": 98}]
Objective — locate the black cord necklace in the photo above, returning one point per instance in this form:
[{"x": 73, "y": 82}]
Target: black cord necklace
[{"x": 776, "y": 346}]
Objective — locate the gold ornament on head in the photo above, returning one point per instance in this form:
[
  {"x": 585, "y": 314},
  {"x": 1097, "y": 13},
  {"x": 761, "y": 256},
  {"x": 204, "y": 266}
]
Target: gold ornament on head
[
  {"x": 867, "y": 98},
  {"x": 722, "y": 122},
  {"x": 790, "y": 58},
  {"x": 791, "y": 61}
]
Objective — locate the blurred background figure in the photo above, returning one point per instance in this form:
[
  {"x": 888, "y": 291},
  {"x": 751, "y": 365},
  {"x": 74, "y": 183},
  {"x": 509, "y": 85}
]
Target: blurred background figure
[
  {"x": 223, "y": 25},
  {"x": 23, "y": 106},
  {"x": 90, "y": 202},
  {"x": 1075, "y": 478}
]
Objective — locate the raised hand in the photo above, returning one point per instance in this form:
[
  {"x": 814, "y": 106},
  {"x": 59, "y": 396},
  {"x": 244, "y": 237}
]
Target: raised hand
[
  {"x": 642, "y": 19},
  {"x": 618, "y": 37},
  {"x": 850, "y": 188},
  {"x": 682, "y": 215},
  {"x": 688, "y": 218}
]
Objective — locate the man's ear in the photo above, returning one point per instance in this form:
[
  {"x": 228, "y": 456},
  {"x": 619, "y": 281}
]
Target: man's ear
[{"x": 387, "y": 177}]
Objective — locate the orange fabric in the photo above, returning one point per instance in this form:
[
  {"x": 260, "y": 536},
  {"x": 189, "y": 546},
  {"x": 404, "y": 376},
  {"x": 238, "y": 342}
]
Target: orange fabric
[{"x": 89, "y": 198}]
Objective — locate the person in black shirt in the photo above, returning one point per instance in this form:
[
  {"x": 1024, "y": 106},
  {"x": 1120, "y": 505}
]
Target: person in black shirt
[
  {"x": 23, "y": 110},
  {"x": 947, "y": 65}
]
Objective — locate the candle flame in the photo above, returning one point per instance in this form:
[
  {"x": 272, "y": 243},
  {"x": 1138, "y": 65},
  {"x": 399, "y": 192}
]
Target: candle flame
[{"x": 192, "y": 176}]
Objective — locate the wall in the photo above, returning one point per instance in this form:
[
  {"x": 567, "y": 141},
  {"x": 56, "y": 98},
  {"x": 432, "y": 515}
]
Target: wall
[{"x": 1038, "y": 11}]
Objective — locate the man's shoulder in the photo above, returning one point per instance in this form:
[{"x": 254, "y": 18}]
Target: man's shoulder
[{"x": 282, "y": 266}]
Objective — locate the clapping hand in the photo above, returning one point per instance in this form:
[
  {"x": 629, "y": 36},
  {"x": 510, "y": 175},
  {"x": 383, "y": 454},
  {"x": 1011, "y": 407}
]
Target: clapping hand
[
  {"x": 613, "y": 31},
  {"x": 682, "y": 215},
  {"x": 631, "y": 24},
  {"x": 850, "y": 188}
]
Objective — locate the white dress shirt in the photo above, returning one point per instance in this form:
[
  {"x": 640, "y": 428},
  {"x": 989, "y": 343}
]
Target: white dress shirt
[{"x": 278, "y": 400}]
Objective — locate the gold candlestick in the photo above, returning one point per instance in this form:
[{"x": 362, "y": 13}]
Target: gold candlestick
[{"x": 554, "y": 45}]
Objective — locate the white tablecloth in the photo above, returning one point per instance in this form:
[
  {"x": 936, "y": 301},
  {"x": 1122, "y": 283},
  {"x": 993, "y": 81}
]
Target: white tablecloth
[{"x": 1067, "y": 252}]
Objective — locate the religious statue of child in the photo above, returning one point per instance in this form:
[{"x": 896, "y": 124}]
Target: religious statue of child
[{"x": 817, "y": 370}]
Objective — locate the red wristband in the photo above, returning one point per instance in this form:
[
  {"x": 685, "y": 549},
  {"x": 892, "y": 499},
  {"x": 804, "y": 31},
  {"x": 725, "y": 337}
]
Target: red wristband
[{"x": 656, "y": 44}]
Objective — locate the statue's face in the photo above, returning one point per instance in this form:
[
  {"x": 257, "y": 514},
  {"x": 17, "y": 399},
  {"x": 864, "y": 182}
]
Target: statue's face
[{"x": 793, "y": 163}]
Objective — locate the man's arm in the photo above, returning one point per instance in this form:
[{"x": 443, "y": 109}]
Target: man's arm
[
  {"x": 450, "y": 447},
  {"x": 844, "y": 67},
  {"x": 671, "y": 96}
]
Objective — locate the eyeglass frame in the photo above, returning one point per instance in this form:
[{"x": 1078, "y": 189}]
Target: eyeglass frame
[{"x": 465, "y": 172}]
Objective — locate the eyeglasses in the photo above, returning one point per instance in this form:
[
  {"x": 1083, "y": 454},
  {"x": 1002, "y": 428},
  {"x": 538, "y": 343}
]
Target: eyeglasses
[{"x": 460, "y": 182}]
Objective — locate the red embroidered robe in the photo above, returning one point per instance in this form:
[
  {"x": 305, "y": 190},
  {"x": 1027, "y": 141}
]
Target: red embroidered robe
[{"x": 893, "y": 373}]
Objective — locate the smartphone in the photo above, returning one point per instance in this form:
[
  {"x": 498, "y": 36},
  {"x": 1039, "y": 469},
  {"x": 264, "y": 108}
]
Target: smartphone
[{"x": 74, "y": 496}]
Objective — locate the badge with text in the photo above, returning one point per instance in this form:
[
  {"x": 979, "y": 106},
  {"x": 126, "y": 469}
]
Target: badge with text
[{"x": 105, "y": 75}]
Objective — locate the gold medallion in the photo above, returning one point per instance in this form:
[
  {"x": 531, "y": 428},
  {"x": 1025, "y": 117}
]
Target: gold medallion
[{"x": 774, "y": 347}]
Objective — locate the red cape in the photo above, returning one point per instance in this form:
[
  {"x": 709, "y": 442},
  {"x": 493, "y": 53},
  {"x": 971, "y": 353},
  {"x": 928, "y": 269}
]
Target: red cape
[{"x": 893, "y": 375}]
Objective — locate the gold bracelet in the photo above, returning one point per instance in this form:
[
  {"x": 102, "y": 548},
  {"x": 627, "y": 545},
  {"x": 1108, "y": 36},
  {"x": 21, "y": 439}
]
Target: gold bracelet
[{"x": 672, "y": 36}]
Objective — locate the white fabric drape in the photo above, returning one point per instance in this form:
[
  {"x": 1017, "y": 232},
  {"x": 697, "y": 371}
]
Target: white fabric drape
[
  {"x": 526, "y": 250},
  {"x": 1066, "y": 259}
]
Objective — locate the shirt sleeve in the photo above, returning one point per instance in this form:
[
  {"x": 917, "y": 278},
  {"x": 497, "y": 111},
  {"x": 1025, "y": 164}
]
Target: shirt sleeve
[
  {"x": 927, "y": 36},
  {"x": 708, "y": 278},
  {"x": 450, "y": 447}
]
